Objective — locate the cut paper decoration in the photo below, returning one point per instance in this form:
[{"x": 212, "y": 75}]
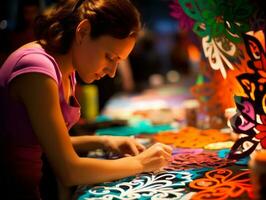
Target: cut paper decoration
[
  {"x": 154, "y": 186},
  {"x": 198, "y": 160},
  {"x": 186, "y": 151},
  {"x": 213, "y": 99},
  {"x": 219, "y": 145},
  {"x": 251, "y": 107},
  {"x": 134, "y": 130},
  {"x": 219, "y": 27},
  {"x": 225, "y": 152},
  {"x": 185, "y": 22},
  {"x": 221, "y": 52},
  {"x": 221, "y": 184},
  {"x": 213, "y": 18},
  {"x": 190, "y": 137}
]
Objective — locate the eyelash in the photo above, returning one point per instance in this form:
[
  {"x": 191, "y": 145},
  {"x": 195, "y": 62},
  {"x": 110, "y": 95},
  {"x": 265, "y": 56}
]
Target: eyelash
[{"x": 109, "y": 58}]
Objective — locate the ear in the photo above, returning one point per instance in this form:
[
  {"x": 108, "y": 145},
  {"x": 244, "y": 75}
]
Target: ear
[{"x": 83, "y": 30}]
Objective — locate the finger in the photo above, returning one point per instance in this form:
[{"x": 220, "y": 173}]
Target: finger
[
  {"x": 166, "y": 155},
  {"x": 133, "y": 149},
  {"x": 167, "y": 148},
  {"x": 140, "y": 147}
]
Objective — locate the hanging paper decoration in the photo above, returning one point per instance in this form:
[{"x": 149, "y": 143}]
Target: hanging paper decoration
[
  {"x": 198, "y": 160},
  {"x": 185, "y": 22},
  {"x": 220, "y": 24},
  {"x": 190, "y": 137},
  {"x": 221, "y": 184},
  {"x": 211, "y": 95},
  {"x": 251, "y": 107},
  {"x": 216, "y": 18},
  {"x": 221, "y": 52},
  {"x": 154, "y": 186}
]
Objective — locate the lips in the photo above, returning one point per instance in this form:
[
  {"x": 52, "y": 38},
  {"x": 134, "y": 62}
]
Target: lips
[{"x": 97, "y": 76}]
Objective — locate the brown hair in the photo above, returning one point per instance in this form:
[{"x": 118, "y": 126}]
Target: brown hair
[{"x": 55, "y": 29}]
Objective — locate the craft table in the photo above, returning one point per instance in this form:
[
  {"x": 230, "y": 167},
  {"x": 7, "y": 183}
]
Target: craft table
[
  {"x": 193, "y": 174},
  {"x": 196, "y": 171}
]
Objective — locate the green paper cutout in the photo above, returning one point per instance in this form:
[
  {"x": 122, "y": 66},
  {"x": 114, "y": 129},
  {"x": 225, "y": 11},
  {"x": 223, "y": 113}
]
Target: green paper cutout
[{"x": 215, "y": 18}]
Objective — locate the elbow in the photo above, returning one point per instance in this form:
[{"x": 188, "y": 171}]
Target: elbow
[
  {"x": 68, "y": 176},
  {"x": 68, "y": 180}
]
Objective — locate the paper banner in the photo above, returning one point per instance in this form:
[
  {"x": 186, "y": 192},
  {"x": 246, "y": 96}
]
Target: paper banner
[
  {"x": 198, "y": 160},
  {"x": 251, "y": 107},
  {"x": 190, "y": 137},
  {"x": 221, "y": 184},
  {"x": 154, "y": 186}
]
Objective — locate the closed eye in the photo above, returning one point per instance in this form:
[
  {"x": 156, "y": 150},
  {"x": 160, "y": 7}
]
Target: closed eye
[{"x": 110, "y": 58}]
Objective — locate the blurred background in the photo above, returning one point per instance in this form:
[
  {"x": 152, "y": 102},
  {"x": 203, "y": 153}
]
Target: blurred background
[{"x": 162, "y": 50}]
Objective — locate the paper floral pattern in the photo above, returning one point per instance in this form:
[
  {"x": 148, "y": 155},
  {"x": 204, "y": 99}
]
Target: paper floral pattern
[
  {"x": 215, "y": 18},
  {"x": 190, "y": 137},
  {"x": 185, "y": 22},
  {"x": 221, "y": 53},
  {"x": 221, "y": 184},
  {"x": 154, "y": 186},
  {"x": 220, "y": 24},
  {"x": 251, "y": 110},
  {"x": 198, "y": 160}
]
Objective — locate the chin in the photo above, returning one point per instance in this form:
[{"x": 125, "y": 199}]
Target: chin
[{"x": 87, "y": 79}]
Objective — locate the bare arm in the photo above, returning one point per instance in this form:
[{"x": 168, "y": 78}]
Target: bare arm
[
  {"x": 86, "y": 143},
  {"x": 39, "y": 94}
]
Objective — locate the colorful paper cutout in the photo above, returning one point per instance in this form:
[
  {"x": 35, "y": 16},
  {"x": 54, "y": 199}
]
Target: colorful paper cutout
[
  {"x": 186, "y": 151},
  {"x": 219, "y": 145},
  {"x": 198, "y": 160},
  {"x": 214, "y": 100},
  {"x": 225, "y": 152},
  {"x": 250, "y": 116},
  {"x": 159, "y": 186},
  {"x": 190, "y": 137},
  {"x": 219, "y": 27},
  {"x": 221, "y": 184},
  {"x": 185, "y": 22},
  {"x": 221, "y": 53},
  {"x": 142, "y": 128},
  {"x": 214, "y": 18}
]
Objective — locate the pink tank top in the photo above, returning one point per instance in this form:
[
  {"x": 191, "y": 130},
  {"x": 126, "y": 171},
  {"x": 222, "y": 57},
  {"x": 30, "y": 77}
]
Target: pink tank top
[{"x": 20, "y": 152}]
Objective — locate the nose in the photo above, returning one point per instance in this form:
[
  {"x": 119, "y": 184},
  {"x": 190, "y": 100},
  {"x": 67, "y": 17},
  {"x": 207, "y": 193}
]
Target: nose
[{"x": 111, "y": 70}]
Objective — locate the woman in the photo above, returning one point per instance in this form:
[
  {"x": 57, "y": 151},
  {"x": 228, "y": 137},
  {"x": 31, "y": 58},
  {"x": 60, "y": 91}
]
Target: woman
[{"x": 38, "y": 105}]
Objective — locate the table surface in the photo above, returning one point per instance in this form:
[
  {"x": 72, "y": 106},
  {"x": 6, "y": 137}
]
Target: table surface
[{"x": 196, "y": 173}]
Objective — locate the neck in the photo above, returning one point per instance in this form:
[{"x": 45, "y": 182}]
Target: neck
[{"x": 65, "y": 64}]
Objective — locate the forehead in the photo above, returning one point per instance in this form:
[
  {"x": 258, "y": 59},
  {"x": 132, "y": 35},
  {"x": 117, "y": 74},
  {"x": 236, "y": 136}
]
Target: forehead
[{"x": 120, "y": 47}]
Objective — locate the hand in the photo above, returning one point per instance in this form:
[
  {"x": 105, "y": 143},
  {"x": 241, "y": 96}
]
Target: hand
[
  {"x": 122, "y": 145},
  {"x": 155, "y": 157}
]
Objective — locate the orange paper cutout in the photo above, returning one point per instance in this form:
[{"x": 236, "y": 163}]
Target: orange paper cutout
[
  {"x": 219, "y": 184},
  {"x": 190, "y": 137},
  {"x": 217, "y": 93},
  {"x": 198, "y": 160}
]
